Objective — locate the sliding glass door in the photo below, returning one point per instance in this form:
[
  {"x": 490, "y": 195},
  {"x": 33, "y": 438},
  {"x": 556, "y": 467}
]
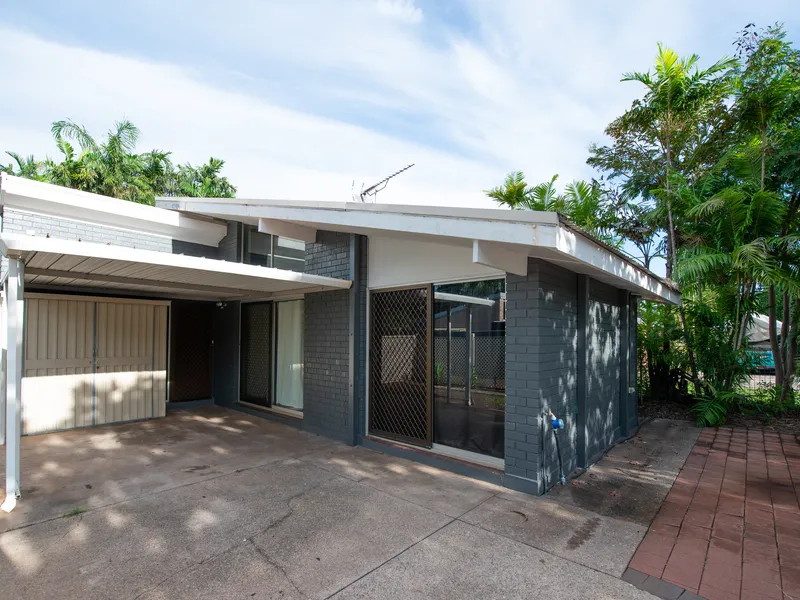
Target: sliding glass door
[
  {"x": 272, "y": 354},
  {"x": 469, "y": 352},
  {"x": 289, "y": 350}
]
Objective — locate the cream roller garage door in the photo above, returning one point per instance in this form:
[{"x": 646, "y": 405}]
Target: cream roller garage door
[{"x": 92, "y": 361}]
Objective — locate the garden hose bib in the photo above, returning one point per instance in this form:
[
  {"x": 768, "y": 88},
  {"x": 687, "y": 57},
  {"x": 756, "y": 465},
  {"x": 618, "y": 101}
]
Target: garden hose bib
[{"x": 557, "y": 424}]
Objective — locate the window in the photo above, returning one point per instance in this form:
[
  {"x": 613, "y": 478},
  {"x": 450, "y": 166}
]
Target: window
[
  {"x": 271, "y": 358},
  {"x": 268, "y": 250}
]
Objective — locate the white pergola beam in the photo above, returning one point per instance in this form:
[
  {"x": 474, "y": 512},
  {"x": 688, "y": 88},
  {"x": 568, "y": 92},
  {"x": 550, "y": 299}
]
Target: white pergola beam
[
  {"x": 292, "y": 231},
  {"x": 15, "y": 289},
  {"x": 500, "y": 256}
]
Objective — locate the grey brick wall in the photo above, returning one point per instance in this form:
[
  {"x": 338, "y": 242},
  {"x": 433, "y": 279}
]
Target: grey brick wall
[
  {"x": 329, "y": 255},
  {"x": 633, "y": 399},
  {"x": 541, "y": 350},
  {"x": 327, "y": 333},
  {"x": 230, "y": 247},
  {"x": 602, "y": 375},
  {"x": 361, "y": 339},
  {"x": 22, "y": 222},
  {"x": 326, "y": 376},
  {"x": 15, "y": 221}
]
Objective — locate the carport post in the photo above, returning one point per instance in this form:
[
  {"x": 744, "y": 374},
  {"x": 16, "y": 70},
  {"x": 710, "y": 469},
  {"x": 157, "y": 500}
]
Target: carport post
[
  {"x": 3, "y": 347},
  {"x": 15, "y": 289}
]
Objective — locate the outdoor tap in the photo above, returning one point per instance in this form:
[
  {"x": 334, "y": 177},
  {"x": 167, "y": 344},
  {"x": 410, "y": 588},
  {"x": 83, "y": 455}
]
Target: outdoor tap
[{"x": 555, "y": 422}]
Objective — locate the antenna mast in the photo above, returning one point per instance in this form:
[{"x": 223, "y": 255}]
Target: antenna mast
[{"x": 372, "y": 190}]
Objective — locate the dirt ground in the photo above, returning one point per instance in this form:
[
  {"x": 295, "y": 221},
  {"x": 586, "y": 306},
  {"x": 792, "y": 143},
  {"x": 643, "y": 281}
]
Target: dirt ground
[{"x": 670, "y": 410}]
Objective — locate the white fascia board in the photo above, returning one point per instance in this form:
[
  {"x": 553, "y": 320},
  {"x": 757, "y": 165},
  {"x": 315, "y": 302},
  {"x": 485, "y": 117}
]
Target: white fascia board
[
  {"x": 482, "y": 214},
  {"x": 424, "y": 224},
  {"x": 292, "y": 231},
  {"x": 47, "y": 199},
  {"x": 584, "y": 250},
  {"x": 511, "y": 259},
  {"x": 12, "y": 245}
]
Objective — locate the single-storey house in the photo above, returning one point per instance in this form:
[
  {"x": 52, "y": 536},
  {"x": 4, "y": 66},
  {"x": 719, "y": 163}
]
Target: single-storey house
[{"x": 446, "y": 335}]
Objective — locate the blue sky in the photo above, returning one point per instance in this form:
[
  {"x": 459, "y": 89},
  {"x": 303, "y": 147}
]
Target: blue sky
[{"x": 309, "y": 99}]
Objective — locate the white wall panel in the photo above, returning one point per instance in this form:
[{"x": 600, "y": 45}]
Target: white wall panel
[{"x": 396, "y": 261}]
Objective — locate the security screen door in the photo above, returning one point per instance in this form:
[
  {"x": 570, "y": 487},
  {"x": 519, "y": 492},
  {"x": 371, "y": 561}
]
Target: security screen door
[{"x": 401, "y": 364}]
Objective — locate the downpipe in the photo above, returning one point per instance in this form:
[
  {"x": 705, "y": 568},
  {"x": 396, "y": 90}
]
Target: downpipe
[{"x": 557, "y": 425}]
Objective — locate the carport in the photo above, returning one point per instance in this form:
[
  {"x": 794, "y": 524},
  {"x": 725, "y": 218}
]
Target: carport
[{"x": 80, "y": 270}]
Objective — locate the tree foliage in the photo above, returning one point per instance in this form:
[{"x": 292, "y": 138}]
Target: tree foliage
[
  {"x": 704, "y": 170},
  {"x": 112, "y": 167}
]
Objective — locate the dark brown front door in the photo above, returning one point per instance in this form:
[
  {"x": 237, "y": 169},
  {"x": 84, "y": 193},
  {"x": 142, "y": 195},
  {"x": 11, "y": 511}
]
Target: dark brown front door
[{"x": 190, "y": 350}]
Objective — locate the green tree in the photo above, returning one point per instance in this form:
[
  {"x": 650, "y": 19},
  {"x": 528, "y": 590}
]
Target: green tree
[
  {"x": 112, "y": 167},
  {"x": 204, "y": 181},
  {"x": 670, "y": 130},
  {"x": 767, "y": 112},
  {"x": 27, "y": 167},
  {"x": 584, "y": 203}
]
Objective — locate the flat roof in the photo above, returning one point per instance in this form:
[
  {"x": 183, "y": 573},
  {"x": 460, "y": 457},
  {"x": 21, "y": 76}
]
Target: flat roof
[
  {"x": 55, "y": 264},
  {"x": 514, "y": 234}
]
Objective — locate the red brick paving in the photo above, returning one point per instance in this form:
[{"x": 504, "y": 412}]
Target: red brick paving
[{"x": 730, "y": 526}]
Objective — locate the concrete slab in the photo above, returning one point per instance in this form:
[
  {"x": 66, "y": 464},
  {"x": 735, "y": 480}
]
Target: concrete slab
[
  {"x": 462, "y": 561},
  {"x": 127, "y": 548},
  {"x": 438, "y": 490},
  {"x": 339, "y": 532},
  {"x": 240, "y": 573},
  {"x": 90, "y": 468},
  {"x": 584, "y": 537},
  {"x": 632, "y": 480},
  {"x": 211, "y": 503}
]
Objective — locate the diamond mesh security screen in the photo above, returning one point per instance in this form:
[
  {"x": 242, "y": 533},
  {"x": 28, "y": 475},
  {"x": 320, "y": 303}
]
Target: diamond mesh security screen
[
  {"x": 400, "y": 364},
  {"x": 256, "y": 358}
]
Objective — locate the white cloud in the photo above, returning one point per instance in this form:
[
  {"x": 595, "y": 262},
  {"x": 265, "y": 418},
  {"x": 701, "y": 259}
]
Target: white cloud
[
  {"x": 302, "y": 99},
  {"x": 403, "y": 10},
  {"x": 270, "y": 151}
]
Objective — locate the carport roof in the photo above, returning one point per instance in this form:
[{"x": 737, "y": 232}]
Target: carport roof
[{"x": 52, "y": 264}]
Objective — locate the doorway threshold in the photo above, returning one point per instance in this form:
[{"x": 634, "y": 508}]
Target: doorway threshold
[{"x": 434, "y": 458}]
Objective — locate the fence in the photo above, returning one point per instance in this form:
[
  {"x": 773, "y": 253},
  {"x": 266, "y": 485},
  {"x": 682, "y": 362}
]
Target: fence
[{"x": 488, "y": 350}]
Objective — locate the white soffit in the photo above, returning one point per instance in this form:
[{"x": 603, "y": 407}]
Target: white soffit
[
  {"x": 52, "y": 200},
  {"x": 52, "y": 263},
  {"x": 531, "y": 233}
]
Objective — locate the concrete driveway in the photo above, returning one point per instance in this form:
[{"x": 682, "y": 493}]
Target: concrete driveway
[{"x": 212, "y": 503}]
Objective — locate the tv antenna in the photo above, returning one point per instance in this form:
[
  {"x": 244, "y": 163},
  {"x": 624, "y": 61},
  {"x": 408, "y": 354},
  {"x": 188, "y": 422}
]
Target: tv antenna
[{"x": 372, "y": 190}]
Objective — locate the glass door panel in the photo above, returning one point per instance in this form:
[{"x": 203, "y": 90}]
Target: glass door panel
[{"x": 289, "y": 350}]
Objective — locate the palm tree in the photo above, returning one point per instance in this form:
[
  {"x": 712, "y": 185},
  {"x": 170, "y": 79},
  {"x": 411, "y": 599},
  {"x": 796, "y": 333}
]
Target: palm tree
[
  {"x": 27, "y": 166},
  {"x": 678, "y": 101},
  {"x": 114, "y": 160},
  {"x": 513, "y": 193},
  {"x": 679, "y": 96},
  {"x": 204, "y": 181}
]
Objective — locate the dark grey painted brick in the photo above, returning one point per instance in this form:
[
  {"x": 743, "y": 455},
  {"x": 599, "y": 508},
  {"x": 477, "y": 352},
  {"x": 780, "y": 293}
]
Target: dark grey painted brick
[
  {"x": 541, "y": 354},
  {"x": 326, "y": 397},
  {"x": 603, "y": 375}
]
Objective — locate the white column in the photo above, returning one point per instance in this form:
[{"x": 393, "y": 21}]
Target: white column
[
  {"x": 14, "y": 319},
  {"x": 3, "y": 347}
]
